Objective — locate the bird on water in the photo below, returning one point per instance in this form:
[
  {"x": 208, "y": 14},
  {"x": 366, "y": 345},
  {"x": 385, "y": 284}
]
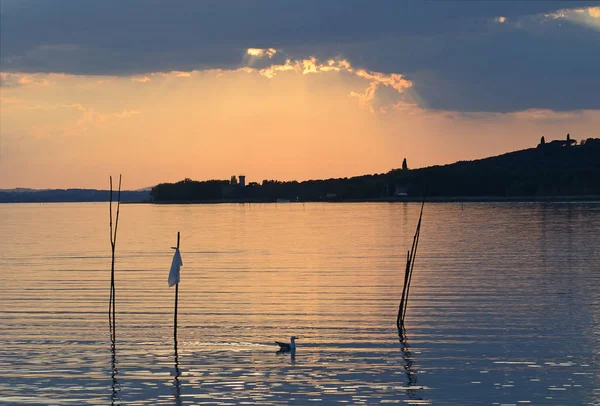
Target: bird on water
[{"x": 287, "y": 347}]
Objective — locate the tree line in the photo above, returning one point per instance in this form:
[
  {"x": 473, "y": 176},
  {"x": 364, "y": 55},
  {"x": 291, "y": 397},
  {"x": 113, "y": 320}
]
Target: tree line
[{"x": 551, "y": 169}]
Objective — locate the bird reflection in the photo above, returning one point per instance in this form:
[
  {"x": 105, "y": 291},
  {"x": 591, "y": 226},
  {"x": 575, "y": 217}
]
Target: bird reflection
[
  {"x": 176, "y": 382},
  {"x": 291, "y": 353},
  {"x": 407, "y": 356}
]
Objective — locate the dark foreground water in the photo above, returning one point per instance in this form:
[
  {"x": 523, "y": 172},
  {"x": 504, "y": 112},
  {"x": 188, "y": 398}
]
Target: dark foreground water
[{"x": 504, "y": 307}]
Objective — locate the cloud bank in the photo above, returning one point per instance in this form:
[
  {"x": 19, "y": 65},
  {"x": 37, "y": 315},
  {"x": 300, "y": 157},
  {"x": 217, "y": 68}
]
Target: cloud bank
[{"x": 459, "y": 55}]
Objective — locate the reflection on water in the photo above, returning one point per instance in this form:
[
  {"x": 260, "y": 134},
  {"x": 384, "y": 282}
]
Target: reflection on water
[
  {"x": 504, "y": 306},
  {"x": 176, "y": 375},
  {"x": 116, "y": 388},
  {"x": 412, "y": 388}
]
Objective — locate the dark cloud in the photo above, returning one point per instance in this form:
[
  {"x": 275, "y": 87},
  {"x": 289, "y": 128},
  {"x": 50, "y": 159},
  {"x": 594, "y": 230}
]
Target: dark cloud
[
  {"x": 505, "y": 69},
  {"x": 456, "y": 55}
]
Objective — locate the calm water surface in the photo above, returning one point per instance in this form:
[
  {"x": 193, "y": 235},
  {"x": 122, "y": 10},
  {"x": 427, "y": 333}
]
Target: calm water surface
[{"x": 504, "y": 307}]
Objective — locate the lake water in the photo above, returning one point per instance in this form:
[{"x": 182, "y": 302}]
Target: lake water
[{"x": 504, "y": 306}]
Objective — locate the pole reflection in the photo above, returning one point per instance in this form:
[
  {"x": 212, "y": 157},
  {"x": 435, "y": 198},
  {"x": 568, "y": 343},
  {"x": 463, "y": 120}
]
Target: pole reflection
[
  {"x": 413, "y": 390},
  {"x": 176, "y": 382},
  {"x": 115, "y": 398}
]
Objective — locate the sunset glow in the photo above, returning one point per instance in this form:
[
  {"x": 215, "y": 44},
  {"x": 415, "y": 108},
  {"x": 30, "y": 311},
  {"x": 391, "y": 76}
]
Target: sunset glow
[{"x": 280, "y": 113}]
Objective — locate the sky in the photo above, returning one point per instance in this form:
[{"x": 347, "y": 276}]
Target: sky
[{"x": 160, "y": 91}]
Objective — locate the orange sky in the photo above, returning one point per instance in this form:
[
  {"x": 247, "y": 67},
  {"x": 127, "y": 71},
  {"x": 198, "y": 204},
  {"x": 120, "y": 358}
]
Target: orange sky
[{"x": 304, "y": 119}]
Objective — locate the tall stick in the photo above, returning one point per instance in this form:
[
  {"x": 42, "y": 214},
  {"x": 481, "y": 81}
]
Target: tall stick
[
  {"x": 112, "y": 268},
  {"x": 113, "y": 242},
  {"x": 113, "y": 257},
  {"x": 413, "y": 256},
  {"x": 410, "y": 264},
  {"x": 176, "y": 300},
  {"x": 404, "y": 286}
]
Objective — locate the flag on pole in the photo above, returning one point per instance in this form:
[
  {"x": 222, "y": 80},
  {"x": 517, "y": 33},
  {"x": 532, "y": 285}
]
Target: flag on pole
[{"x": 175, "y": 266}]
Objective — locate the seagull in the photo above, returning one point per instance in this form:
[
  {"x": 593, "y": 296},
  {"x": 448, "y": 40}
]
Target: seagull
[{"x": 285, "y": 347}]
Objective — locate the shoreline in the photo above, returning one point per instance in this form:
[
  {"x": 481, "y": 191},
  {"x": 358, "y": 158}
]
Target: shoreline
[
  {"x": 407, "y": 199},
  {"x": 400, "y": 199}
]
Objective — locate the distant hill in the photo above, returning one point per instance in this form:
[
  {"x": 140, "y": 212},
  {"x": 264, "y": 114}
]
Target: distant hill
[
  {"x": 22, "y": 195},
  {"x": 555, "y": 169}
]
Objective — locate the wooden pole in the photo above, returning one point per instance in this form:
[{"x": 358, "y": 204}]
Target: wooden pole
[
  {"x": 404, "y": 286},
  {"x": 410, "y": 264},
  {"x": 176, "y": 300},
  {"x": 112, "y": 267},
  {"x": 113, "y": 242},
  {"x": 177, "y": 372}
]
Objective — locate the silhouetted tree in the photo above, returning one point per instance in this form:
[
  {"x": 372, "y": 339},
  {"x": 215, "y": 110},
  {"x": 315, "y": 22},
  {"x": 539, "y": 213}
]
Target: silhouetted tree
[
  {"x": 234, "y": 180},
  {"x": 542, "y": 141},
  {"x": 404, "y": 166}
]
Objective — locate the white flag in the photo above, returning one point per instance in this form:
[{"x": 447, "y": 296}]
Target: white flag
[{"x": 175, "y": 266}]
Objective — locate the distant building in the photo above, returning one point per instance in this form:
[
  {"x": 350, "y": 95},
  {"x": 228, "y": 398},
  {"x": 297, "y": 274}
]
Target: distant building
[
  {"x": 242, "y": 180},
  {"x": 564, "y": 143}
]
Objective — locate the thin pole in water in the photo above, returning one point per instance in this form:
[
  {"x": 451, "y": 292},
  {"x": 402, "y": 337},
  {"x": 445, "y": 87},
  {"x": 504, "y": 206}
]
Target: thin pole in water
[
  {"x": 113, "y": 243},
  {"x": 410, "y": 264},
  {"x": 112, "y": 268},
  {"x": 176, "y": 300}
]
